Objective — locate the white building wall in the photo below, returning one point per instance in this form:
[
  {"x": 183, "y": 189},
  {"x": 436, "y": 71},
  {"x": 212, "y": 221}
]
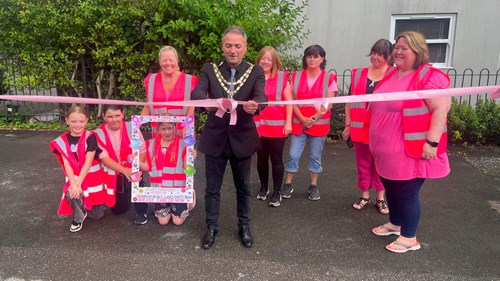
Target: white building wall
[{"x": 348, "y": 28}]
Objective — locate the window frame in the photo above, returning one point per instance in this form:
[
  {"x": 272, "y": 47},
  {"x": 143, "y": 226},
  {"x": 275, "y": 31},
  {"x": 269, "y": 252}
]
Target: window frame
[{"x": 450, "y": 42}]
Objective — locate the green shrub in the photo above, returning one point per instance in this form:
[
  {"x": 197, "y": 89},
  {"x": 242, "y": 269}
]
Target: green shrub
[
  {"x": 40, "y": 126},
  {"x": 19, "y": 122},
  {"x": 474, "y": 125},
  {"x": 200, "y": 119},
  {"x": 6, "y": 118},
  {"x": 488, "y": 113},
  {"x": 337, "y": 121}
]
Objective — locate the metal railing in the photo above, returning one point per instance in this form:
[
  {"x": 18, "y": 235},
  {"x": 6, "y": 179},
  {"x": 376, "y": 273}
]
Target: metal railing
[
  {"x": 12, "y": 75},
  {"x": 16, "y": 80},
  {"x": 457, "y": 80}
]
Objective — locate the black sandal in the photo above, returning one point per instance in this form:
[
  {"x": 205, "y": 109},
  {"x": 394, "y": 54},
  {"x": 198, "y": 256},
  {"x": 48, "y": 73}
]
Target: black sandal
[
  {"x": 382, "y": 207},
  {"x": 361, "y": 203}
]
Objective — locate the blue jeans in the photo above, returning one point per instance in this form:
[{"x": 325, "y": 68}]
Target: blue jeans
[
  {"x": 297, "y": 147},
  {"x": 79, "y": 210},
  {"x": 404, "y": 204}
]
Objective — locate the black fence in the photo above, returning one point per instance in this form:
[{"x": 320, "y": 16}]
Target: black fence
[
  {"x": 457, "y": 80},
  {"x": 16, "y": 80}
]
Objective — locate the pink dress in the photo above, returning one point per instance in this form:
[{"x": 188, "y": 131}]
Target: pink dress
[{"x": 386, "y": 136}]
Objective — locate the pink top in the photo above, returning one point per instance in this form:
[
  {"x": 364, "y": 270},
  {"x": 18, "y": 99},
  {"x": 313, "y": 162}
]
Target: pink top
[
  {"x": 116, "y": 139},
  {"x": 386, "y": 136},
  {"x": 161, "y": 95},
  {"x": 332, "y": 88}
]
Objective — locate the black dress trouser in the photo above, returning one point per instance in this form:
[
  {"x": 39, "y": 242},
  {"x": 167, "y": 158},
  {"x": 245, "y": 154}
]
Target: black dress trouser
[{"x": 215, "y": 167}]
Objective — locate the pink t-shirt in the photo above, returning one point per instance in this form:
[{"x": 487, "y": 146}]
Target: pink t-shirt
[
  {"x": 386, "y": 136},
  {"x": 115, "y": 138},
  {"x": 332, "y": 88}
]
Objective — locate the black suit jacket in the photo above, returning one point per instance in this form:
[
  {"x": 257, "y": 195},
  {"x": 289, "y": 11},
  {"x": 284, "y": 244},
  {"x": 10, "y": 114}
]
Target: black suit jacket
[{"x": 242, "y": 136}]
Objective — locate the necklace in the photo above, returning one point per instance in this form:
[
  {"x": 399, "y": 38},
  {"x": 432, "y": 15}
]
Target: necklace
[{"x": 224, "y": 83}]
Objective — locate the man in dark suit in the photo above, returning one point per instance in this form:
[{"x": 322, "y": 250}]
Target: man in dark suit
[{"x": 233, "y": 78}]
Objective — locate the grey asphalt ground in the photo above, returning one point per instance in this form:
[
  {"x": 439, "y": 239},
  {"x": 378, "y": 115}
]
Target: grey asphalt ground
[{"x": 300, "y": 240}]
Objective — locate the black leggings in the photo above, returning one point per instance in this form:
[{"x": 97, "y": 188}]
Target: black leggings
[
  {"x": 271, "y": 148},
  {"x": 404, "y": 204}
]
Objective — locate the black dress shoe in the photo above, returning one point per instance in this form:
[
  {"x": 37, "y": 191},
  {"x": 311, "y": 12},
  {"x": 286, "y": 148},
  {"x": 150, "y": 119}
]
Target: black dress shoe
[
  {"x": 209, "y": 238},
  {"x": 245, "y": 236}
]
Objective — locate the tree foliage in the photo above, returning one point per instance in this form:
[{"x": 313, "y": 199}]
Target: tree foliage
[{"x": 109, "y": 46}]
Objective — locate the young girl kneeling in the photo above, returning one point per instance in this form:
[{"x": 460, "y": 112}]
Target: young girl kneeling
[
  {"x": 77, "y": 152},
  {"x": 166, "y": 162}
]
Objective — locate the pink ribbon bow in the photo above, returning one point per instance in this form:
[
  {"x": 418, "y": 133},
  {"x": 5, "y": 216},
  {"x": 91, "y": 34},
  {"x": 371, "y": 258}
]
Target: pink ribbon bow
[{"x": 229, "y": 106}]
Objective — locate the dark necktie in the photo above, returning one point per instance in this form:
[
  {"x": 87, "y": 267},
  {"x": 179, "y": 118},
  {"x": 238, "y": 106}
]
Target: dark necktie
[{"x": 232, "y": 79}]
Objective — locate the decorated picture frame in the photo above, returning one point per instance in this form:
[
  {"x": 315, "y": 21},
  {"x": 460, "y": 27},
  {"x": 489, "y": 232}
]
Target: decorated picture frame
[{"x": 149, "y": 194}]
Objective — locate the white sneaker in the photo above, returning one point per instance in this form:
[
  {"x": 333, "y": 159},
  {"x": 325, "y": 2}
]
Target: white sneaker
[{"x": 77, "y": 226}]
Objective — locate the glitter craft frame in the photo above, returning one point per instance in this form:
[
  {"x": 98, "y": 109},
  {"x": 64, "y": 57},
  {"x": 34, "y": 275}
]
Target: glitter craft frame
[{"x": 159, "y": 194}]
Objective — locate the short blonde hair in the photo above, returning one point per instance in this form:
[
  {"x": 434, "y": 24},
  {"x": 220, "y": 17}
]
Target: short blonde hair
[
  {"x": 274, "y": 58},
  {"x": 416, "y": 42},
  {"x": 168, "y": 48}
]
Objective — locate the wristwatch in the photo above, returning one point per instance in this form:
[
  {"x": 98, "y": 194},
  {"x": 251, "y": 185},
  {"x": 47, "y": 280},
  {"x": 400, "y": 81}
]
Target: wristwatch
[
  {"x": 432, "y": 143},
  {"x": 313, "y": 118}
]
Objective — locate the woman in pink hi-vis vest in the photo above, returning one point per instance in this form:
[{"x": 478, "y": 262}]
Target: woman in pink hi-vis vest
[
  {"x": 365, "y": 81},
  {"x": 308, "y": 123},
  {"x": 169, "y": 84},
  {"x": 274, "y": 124},
  {"x": 408, "y": 138}
]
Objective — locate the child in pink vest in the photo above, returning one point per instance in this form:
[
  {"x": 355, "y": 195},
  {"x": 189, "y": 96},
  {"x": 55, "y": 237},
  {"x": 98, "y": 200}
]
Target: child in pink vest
[
  {"x": 166, "y": 163},
  {"x": 77, "y": 152}
]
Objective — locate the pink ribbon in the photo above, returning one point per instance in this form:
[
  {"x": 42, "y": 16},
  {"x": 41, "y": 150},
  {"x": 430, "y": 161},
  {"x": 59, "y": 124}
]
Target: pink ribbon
[
  {"x": 493, "y": 91},
  {"x": 495, "y": 95},
  {"x": 229, "y": 106},
  {"x": 321, "y": 105}
]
